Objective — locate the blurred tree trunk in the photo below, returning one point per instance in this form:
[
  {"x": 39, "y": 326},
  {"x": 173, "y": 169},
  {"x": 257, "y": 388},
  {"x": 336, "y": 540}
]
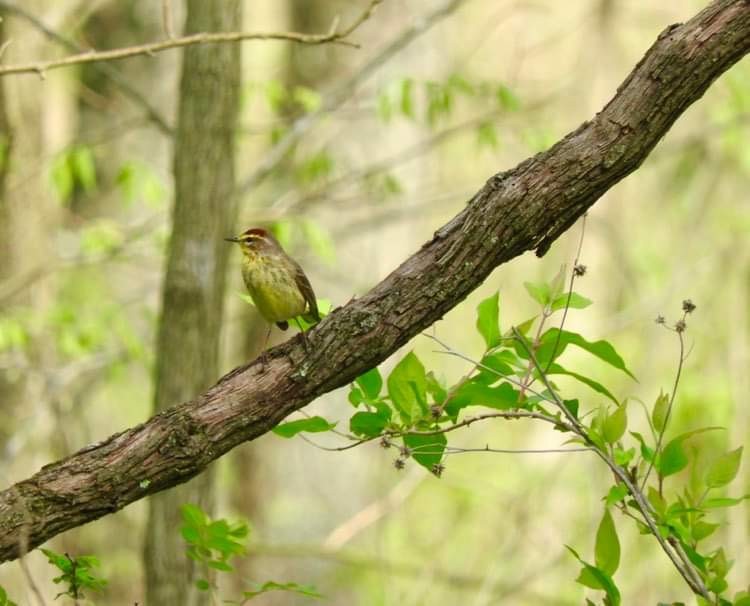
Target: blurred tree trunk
[
  {"x": 188, "y": 341},
  {"x": 36, "y": 118},
  {"x": 8, "y": 386}
]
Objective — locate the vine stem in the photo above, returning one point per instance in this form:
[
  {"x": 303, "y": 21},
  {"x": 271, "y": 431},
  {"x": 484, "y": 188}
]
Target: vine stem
[{"x": 663, "y": 429}]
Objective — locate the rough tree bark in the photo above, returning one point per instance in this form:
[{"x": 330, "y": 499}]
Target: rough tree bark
[
  {"x": 521, "y": 209},
  {"x": 188, "y": 341}
]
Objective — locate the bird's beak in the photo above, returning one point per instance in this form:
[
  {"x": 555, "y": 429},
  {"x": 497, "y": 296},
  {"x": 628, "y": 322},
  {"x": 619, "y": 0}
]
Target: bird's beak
[{"x": 233, "y": 239}]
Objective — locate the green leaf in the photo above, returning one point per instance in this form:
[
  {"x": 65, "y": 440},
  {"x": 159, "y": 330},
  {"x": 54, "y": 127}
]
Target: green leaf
[
  {"x": 202, "y": 585},
  {"x": 646, "y": 451},
  {"x": 435, "y": 388},
  {"x": 616, "y": 494},
  {"x": 487, "y": 135},
  {"x": 308, "y": 98},
  {"x": 306, "y": 590},
  {"x": 601, "y": 349},
  {"x": 193, "y": 515},
  {"x": 497, "y": 365},
  {"x": 219, "y": 565},
  {"x": 370, "y": 383},
  {"x": 595, "y": 576},
  {"x": 426, "y": 450},
  {"x": 556, "y": 369},
  {"x": 719, "y": 564},
  {"x": 4, "y": 599},
  {"x": 369, "y": 424},
  {"x": 607, "y": 548},
  {"x": 82, "y": 161},
  {"x": 702, "y": 530},
  {"x": 524, "y": 327},
  {"x": 355, "y": 397},
  {"x": 558, "y": 284},
  {"x": 506, "y": 99},
  {"x": 488, "y": 320},
  {"x": 407, "y": 97},
  {"x": 572, "y": 406},
  {"x": 673, "y": 458},
  {"x": 314, "y": 424},
  {"x": 719, "y": 502},
  {"x": 657, "y": 501},
  {"x": 659, "y": 414},
  {"x": 62, "y": 178},
  {"x": 724, "y": 469},
  {"x": 576, "y": 302},
  {"x": 407, "y": 386},
  {"x": 539, "y": 291},
  {"x": 616, "y": 424},
  {"x": 473, "y": 393},
  {"x": 623, "y": 457}
]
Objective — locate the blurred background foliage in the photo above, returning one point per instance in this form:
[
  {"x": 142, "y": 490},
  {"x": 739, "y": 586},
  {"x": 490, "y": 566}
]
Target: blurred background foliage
[{"x": 395, "y": 143}]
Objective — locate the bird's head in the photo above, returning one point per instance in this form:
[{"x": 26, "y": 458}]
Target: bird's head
[{"x": 255, "y": 240}]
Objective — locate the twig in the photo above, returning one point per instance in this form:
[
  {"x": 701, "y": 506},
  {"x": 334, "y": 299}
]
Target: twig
[
  {"x": 451, "y": 352},
  {"x": 151, "y": 48},
  {"x": 374, "y": 511},
  {"x": 115, "y": 76},
  {"x": 575, "y": 272},
  {"x": 340, "y": 94},
  {"x": 456, "y": 450},
  {"x": 663, "y": 429}
]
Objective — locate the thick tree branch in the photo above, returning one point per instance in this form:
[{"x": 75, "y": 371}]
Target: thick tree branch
[
  {"x": 518, "y": 210},
  {"x": 334, "y": 36}
]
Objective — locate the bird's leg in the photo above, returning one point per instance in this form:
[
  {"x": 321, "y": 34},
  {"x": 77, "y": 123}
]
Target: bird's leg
[
  {"x": 263, "y": 356},
  {"x": 304, "y": 335}
]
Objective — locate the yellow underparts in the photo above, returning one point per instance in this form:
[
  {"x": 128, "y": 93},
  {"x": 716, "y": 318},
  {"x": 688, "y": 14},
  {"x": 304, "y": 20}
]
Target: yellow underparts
[{"x": 273, "y": 289}]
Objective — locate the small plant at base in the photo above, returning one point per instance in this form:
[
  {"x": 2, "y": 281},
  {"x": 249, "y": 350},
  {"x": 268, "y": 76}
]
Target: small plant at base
[
  {"x": 77, "y": 573},
  {"x": 213, "y": 543}
]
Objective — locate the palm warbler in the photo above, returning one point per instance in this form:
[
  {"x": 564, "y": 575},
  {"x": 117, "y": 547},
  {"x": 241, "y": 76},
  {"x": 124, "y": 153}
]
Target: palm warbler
[{"x": 276, "y": 283}]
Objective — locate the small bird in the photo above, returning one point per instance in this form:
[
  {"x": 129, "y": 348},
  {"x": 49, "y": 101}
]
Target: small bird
[{"x": 276, "y": 283}]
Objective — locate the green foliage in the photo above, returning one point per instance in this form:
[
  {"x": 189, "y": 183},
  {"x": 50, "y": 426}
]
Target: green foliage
[
  {"x": 312, "y": 425},
  {"x": 137, "y": 182},
  {"x": 314, "y": 168},
  {"x": 607, "y": 547},
  {"x": 724, "y": 469},
  {"x": 513, "y": 377},
  {"x": 78, "y": 574},
  {"x": 595, "y": 578},
  {"x": 14, "y": 332},
  {"x": 673, "y": 457},
  {"x": 427, "y": 450},
  {"x": 433, "y": 101},
  {"x": 100, "y": 237},
  {"x": 4, "y": 599},
  {"x": 305, "y": 590},
  {"x": 488, "y": 321},
  {"x": 73, "y": 170},
  {"x": 659, "y": 414},
  {"x": 407, "y": 388},
  {"x": 212, "y": 544},
  {"x": 615, "y": 424}
]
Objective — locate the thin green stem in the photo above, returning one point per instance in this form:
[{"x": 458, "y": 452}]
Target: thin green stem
[{"x": 663, "y": 430}]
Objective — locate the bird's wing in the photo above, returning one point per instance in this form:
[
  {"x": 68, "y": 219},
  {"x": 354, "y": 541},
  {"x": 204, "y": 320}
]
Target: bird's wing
[{"x": 307, "y": 292}]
